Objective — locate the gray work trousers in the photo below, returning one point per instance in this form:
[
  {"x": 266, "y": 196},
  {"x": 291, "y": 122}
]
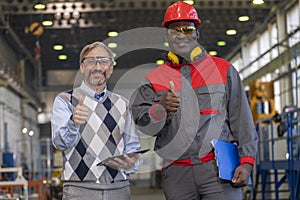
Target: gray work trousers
[
  {"x": 198, "y": 182},
  {"x": 79, "y": 193}
]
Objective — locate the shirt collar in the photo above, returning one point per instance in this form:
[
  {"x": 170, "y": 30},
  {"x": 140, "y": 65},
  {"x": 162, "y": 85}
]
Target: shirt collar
[{"x": 89, "y": 91}]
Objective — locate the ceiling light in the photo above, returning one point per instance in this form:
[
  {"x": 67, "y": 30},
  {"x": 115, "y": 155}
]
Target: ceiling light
[
  {"x": 112, "y": 45},
  {"x": 24, "y": 130},
  {"x": 115, "y": 63},
  {"x": 114, "y": 54},
  {"x": 112, "y": 34},
  {"x": 31, "y": 133},
  {"x": 243, "y": 18},
  {"x": 58, "y": 47},
  {"x": 258, "y": 2},
  {"x": 72, "y": 21},
  {"x": 47, "y": 23},
  {"x": 221, "y": 43},
  {"x": 166, "y": 44},
  {"x": 189, "y": 2},
  {"x": 62, "y": 57},
  {"x": 57, "y": 16},
  {"x": 160, "y": 62},
  {"x": 67, "y": 15},
  {"x": 213, "y": 53},
  {"x": 76, "y": 15},
  {"x": 231, "y": 32},
  {"x": 39, "y": 6}
]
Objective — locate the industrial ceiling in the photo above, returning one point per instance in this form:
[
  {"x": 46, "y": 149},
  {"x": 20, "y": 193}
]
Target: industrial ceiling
[{"x": 95, "y": 18}]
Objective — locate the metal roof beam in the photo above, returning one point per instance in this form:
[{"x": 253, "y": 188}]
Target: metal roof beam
[{"x": 26, "y": 6}]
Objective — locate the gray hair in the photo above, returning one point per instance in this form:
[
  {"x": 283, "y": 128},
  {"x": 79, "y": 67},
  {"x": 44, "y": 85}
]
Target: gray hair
[{"x": 93, "y": 45}]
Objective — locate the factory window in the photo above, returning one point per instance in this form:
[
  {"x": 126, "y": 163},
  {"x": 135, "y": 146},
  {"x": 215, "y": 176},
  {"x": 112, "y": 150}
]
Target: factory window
[
  {"x": 274, "y": 40},
  {"x": 254, "y": 54},
  {"x": 264, "y": 46},
  {"x": 293, "y": 22}
]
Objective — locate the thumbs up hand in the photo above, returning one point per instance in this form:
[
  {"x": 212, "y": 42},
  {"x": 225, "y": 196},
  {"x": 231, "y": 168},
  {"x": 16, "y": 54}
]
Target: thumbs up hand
[
  {"x": 81, "y": 112},
  {"x": 169, "y": 100},
  {"x": 171, "y": 87}
]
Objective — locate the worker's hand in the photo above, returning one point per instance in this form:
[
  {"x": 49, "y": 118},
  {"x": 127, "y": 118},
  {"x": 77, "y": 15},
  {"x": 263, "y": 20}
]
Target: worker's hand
[
  {"x": 81, "y": 112},
  {"x": 169, "y": 100},
  {"x": 124, "y": 163},
  {"x": 241, "y": 175}
]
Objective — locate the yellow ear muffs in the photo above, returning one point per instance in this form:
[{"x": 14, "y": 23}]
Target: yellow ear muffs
[
  {"x": 173, "y": 58},
  {"x": 195, "y": 52}
]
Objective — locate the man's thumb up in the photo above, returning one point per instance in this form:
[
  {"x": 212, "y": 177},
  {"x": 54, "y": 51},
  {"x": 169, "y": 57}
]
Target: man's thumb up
[
  {"x": 169, "y": 100},
  {"x": 81, "y": 112},
  {"x": 80, "y": 100},
  {"x": 172, "y": 86}
]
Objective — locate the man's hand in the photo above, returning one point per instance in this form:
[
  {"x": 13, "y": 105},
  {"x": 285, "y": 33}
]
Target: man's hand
[
  {"x": 241, "y": 175},
  {"x": 123, "y": 164},
  {"x": 81, "y": 113},
  {"x": 169, "y": 100}
]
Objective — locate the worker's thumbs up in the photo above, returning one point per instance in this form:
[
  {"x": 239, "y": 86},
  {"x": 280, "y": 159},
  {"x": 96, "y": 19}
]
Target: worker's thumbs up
[
  {"x": 172, "y": 86},
  {"x": 170, "y": 100},
  {"x": 81, "y": 112}
]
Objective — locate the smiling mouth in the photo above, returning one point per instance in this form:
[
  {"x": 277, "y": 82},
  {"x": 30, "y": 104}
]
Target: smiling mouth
[
  {"x": 181, "y": 43},
  {"x": 99, "y": 76},
  {"x": 98, "y": 72}
]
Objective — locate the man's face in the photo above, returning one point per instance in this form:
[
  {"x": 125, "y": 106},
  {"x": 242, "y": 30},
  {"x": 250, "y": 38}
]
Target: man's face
[
  {"x": 97, "y": 66},
  {"x": 182, "y": 43}
]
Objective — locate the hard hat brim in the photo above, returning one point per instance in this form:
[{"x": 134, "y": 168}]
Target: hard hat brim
[{"x": 165, "y": 24}]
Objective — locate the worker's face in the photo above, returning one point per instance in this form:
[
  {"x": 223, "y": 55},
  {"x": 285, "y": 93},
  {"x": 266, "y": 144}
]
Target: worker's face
[
  {"x": 184, "y": 40},
  {"x": 97, "y": 66}
]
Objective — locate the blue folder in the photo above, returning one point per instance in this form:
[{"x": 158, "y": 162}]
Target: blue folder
[{"x": 227, "y": 158}]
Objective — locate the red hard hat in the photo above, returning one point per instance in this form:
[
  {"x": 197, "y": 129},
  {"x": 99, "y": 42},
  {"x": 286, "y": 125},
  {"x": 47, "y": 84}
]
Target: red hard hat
[{"x": 181, "y": 11}]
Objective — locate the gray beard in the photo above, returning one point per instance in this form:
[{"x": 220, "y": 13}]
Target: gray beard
[{"x": 94, "y": 83}]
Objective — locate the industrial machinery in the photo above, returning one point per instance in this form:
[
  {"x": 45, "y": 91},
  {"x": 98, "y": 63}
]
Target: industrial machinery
[
  {"x": 278, "y": 159},
  {"x": 261, "y": 97}
]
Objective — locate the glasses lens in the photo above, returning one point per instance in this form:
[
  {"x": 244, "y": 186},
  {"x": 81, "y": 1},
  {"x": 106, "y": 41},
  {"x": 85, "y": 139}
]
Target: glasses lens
[
  {"x": 92, "y": 61},
  {"x": 105, "y": 61},
  {"x": 172, "y": 32},
  {"x": 89, "y": 61},
  {"x": 188, "y": 29},
  {"x": 184, "y": 30}
]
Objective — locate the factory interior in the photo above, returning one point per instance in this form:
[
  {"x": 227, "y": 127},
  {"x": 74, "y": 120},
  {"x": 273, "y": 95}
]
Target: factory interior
[{"x": 40, "y": 42}]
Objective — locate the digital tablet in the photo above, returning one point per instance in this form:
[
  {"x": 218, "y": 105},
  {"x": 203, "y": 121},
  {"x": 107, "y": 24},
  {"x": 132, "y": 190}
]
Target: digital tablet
[{"x": 131, "y": 154}]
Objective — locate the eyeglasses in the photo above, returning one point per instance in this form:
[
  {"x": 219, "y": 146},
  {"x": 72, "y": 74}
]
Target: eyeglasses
[
  {"x": 183, "y": 29},
  {"x": 92, "y": 61}
]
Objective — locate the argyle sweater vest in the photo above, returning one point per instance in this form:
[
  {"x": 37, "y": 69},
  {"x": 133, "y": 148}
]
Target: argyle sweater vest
[{"x": 100, "y": 137}]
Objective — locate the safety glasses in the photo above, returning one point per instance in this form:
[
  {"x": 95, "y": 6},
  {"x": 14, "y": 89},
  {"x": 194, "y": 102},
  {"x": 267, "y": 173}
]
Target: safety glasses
[
  {"x": 183, "y": 29},
  {"x": 92, "y": 61}
]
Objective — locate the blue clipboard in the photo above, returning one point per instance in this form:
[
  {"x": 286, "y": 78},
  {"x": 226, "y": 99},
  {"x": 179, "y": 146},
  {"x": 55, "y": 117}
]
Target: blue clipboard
[{"x": 227, "y": 158}]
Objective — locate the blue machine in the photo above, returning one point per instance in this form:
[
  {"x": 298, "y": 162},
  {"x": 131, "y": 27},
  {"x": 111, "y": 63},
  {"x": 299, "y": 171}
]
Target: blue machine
[
  {"x": 272, "y": 171},
  {"x": 8, "y": 161}
]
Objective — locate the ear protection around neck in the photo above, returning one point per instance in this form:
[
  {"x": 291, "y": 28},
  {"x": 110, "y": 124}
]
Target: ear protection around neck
[
  {"x": 177, "y": 59},
  {"x": 173, "y": 57}
]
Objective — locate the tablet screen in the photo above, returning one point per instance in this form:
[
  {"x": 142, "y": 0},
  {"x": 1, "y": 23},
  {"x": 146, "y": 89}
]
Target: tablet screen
[{"x": 131, "y": 154}]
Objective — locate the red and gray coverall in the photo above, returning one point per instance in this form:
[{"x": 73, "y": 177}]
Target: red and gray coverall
[{"x": 213, "y": 104}]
